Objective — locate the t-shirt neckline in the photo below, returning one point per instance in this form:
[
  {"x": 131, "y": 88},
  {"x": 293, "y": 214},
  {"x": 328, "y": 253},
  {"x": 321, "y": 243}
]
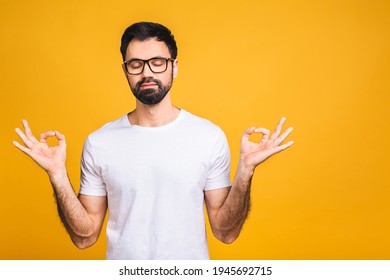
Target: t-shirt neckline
[{"x": 127, "y": 123}]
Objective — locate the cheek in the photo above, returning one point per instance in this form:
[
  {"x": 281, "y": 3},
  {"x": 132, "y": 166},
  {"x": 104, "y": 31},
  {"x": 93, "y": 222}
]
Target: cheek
[
  {"x": 164, "y": 80},
  {"x": 132, "y": 80}
]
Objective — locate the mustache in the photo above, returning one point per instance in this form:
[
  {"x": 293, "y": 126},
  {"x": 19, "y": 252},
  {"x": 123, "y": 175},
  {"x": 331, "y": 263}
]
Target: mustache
[{"x": 147, "y": 80}]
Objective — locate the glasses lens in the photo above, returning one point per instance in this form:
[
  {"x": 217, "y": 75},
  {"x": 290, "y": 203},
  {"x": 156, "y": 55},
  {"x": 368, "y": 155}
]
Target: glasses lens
[
  {"x": 158, "y": 65},
  {"x": 135, "y": 66}
]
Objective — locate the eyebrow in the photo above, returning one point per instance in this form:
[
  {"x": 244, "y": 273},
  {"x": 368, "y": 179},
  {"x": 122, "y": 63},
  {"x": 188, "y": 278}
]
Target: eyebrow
[{"x": 136, "y": 58}]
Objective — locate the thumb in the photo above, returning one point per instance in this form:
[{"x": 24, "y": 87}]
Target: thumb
[{"x": 248, "y": 132}]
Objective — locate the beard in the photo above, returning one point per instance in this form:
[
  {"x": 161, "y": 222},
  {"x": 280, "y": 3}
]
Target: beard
[{"x": 151, "y": 96}]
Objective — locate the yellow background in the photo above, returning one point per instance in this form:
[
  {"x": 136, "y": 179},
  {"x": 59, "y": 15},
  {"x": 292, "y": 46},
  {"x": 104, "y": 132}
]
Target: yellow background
[{"x": 322, "y": 64}]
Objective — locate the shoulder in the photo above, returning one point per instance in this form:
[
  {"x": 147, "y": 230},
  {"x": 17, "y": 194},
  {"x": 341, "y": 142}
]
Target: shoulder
[
  {"x": 109, "y": 129},
  {"x": 196, "y": 122},
  {"x": 202, "y": 130}
]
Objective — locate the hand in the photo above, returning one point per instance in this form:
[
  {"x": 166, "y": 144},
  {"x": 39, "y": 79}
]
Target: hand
[
  {"x": 252, "y": 154},
  {"x": 51, "y": 159}
]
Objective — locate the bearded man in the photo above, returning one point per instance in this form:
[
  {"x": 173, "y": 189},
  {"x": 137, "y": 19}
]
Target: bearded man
[{"x": 154, "y": 168}]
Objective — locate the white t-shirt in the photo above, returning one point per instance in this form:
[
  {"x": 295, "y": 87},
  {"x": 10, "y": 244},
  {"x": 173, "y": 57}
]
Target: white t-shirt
[{"x": 154, "y": 179}]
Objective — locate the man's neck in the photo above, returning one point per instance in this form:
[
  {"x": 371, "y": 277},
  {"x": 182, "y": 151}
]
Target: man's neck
[{"x": 154, "y": 115}]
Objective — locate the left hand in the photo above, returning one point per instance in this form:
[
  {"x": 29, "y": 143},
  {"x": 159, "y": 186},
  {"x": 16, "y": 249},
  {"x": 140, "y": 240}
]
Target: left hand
[{"x": 252, "y": 154}]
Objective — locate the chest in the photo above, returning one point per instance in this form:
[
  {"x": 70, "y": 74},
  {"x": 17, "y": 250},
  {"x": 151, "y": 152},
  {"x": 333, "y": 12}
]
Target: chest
[{"x": 155, "y": 164}]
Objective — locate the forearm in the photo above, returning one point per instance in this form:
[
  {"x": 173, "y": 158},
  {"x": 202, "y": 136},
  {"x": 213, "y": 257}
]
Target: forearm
[
  {"x": 73, "y": 215},
  {"x": 80, "y": 225},
  {"x": 228, "y": 211},
  {"x": 232, "y": 214}
]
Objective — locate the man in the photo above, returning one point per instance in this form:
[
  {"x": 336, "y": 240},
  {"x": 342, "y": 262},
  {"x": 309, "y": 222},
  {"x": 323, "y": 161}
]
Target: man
[{"x": 155, "y": 167}]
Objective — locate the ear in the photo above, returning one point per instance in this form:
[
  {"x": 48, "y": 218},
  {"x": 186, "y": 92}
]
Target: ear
[
  {"x": 124, "y": 69},
  {"x": 175, "y": 68}
]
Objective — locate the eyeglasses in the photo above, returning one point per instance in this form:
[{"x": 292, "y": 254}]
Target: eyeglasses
[{"x": 156, "y": 65}]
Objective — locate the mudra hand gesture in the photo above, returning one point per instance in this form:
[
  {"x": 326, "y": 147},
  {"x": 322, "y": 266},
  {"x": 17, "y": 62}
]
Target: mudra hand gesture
[
  {"x": 252, "y": 154},
  {"x": 51, "y": 159}
]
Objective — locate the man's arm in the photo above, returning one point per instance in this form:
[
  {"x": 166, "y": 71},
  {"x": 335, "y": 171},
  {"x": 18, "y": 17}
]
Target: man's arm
[
  {"x": 83, "y": 217},
  {"x": 228, "y": 208}
]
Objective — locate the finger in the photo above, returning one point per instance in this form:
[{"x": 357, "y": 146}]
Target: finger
[
  {"x": 28, "y": 131},
  {"x": 265, "y": 133},
  {"x": 283, "y": 147},
  {"x": 24, "y": 138},
  {"x": 278, "y": 128},
  {"x": 46, "y": 135},
  {"x": 24, "y": 149},
  {"x": 248, "y": 132},
  {"x": 283, "y": 136},
  {"x": 60, "y": 138}
]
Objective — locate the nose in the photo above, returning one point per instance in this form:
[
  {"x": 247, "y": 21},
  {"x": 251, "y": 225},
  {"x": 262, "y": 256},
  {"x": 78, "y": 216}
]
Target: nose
[{"x": 147, "y": 71}]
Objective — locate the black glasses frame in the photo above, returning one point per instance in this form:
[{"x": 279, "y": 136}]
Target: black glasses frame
[{"x": 146, "y": 61}]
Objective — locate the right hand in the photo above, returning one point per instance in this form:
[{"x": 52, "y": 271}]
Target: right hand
[{"x": 51, "y": 159}]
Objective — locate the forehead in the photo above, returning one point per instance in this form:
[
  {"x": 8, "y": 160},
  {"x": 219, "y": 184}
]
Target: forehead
[{"x": 146, "y": 49}]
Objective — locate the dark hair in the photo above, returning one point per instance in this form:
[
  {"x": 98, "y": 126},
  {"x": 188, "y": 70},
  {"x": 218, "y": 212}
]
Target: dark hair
[{"x": 145, "y": 30}]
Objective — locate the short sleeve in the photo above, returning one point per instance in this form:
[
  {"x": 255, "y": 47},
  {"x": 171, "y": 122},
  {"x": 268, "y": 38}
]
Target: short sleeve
[
  {"x": 219, "y": 166},
  {"x": 91, "y": 180}
]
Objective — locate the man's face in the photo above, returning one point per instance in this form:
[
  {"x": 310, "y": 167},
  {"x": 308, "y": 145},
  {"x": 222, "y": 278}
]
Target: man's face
[{"x": 148, "y": 87}]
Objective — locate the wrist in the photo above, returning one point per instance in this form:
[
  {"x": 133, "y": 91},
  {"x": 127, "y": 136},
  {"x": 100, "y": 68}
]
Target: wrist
[
  {"x": 58, "y": 176},
  {"x": 245, "y": 171}
]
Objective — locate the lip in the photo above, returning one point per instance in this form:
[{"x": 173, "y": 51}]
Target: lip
[{"x": 147, "y": 85}]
